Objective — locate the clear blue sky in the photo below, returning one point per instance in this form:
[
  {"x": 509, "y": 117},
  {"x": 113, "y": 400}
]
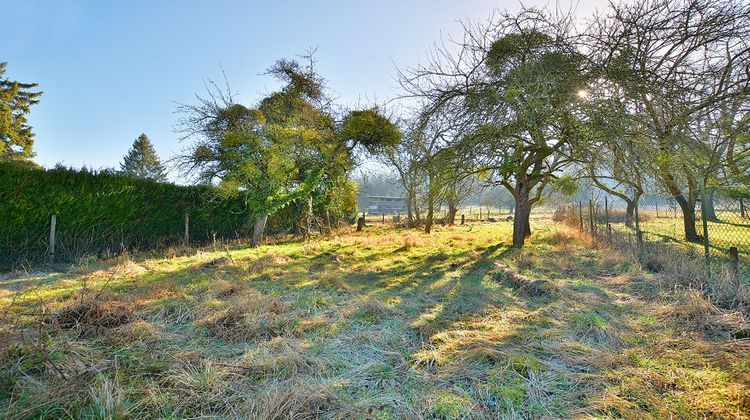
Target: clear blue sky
[{"x": 113, "y": 69}]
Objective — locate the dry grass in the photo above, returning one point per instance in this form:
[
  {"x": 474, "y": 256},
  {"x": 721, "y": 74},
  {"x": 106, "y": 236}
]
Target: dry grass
[
  {"x": 247, "y": 316},
  {"x": 90, "y": 316},
  {"x": 385, "y": 323}
]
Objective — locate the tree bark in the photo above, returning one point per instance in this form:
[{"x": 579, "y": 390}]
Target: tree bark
[
  {"x": 629, "y": 212},
  {"x": 710, "y": 207},
  {"x": 452, "y": 210},
  {"x": 409, "y": 211},
  {"x": 527, "y": 225},
  {"x": 521, "y": 226},
  {"x": 686, "y": 203},
  {"x": 430, "y": 212},
  {"x": 630, "y": 209},
  {"x": 260, "y": 227},
  {"x": 417, "y": 213},
  {"x": 688, "y": 219}
]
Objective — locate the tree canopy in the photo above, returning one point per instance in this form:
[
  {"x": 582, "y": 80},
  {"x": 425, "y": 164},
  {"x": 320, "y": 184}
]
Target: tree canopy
[
  {"x": 289, "y": 149},
  {"x": 141, "y": 161},
  {"x": 16, "y": 135}
]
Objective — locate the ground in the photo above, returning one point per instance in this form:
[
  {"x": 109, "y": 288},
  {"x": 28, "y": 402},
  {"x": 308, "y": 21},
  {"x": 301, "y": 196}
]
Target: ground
[{"x": 384, "y": 323}]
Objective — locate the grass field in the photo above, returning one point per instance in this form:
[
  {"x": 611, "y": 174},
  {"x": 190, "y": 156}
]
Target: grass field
[{"x": 384, "y": 323}]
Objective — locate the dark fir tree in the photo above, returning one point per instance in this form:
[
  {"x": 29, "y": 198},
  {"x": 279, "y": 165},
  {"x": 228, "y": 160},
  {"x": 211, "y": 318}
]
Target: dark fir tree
[
  {"x": 16, "y": 136},
  {"x": 142, "y": 161}
]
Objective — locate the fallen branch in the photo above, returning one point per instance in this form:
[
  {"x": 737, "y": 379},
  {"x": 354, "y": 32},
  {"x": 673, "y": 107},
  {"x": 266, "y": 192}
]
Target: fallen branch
[{"x": 532, "y": 287}]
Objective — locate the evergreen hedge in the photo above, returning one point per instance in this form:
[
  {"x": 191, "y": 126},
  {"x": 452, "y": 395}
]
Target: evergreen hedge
[{"x": 103, "y": 212}]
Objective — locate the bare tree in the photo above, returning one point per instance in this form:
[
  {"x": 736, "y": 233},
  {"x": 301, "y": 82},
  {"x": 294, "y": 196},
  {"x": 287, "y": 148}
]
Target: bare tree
[
  {"x": 513, "y": 83},
  {"x": 675, "y": 61}
]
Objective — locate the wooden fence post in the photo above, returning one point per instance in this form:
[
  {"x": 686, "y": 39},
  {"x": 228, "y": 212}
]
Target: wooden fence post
[
  {"x": 187, "y": 228},
  {"x": 591, "y": 219},
  {"x": 463, "y": 218},
  {"x": 52, "y": 226},
  {"x": 382, "y": 213},
  {"x": 606, "y": 220},
  {"x": 360, "y": 223}
]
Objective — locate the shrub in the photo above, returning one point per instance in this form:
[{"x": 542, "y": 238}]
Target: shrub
[{"x": 103, "y": 212}]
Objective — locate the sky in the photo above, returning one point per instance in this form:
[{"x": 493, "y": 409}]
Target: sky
[{"x": 111, "y": 70}]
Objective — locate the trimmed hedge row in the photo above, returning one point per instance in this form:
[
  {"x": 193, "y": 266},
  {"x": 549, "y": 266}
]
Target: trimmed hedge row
[{"x": 104, "y": 212}]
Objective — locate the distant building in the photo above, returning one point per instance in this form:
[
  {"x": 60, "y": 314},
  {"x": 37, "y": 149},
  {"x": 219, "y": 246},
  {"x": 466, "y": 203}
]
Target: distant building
[{"x": 386, "y": 205}]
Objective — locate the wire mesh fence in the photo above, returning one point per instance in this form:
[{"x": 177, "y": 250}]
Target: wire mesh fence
[{"x": 715, "y": 257}]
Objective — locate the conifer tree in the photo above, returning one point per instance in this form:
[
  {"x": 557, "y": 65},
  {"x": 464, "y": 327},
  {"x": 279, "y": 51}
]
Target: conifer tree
[
  {"x": 16, "y": 136},
  {"x": 142, "y": 161}
]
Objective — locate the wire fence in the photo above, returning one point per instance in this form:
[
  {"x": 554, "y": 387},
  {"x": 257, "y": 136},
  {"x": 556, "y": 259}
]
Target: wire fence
[{"x": 715, "y": 257}]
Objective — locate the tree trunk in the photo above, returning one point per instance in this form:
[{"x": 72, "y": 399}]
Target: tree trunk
[
  {"x": 417, "y": 214},
  {"x": 521, "y": 225},
  {"x": 686, "y": 203},
  {"x": 452, "y": 210},
  {"x": 430, "y": 211},
  {"x": 428, "y": 218},
  {"x": 629, "y": 212},
  {"x": 527, "y": 224},
  {"x": 409, "y": 211},
  {"x": 688, "y": 219},
  {"x": 260, "y": 227},
  {"x": 710, "y": 208}
]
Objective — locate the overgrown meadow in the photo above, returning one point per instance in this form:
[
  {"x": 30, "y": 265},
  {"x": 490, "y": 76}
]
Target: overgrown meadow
[{"x": 384, "y": 323}]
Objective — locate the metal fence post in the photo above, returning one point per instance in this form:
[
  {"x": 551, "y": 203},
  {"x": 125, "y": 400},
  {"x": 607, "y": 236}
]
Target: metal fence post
[{"x": 706, "y": 243}]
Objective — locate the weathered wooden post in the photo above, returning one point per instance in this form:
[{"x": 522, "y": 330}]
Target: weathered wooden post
[
  {"x": 657, "y": 207},
  {"x": 382, "y": 213},
  {"x": 360, "y": 223},
  {"x": 186, "y": 239},
  {"x": 606, "y": 220},
  {"x": 591, "y": 219},
  {"x": 735, "y": 263},
  {"x": 463, "y": 218},
  {"x": 52, "y": 226},
  {"x": 364, "y": 221},
  {"x": 480, "y": 214}
]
